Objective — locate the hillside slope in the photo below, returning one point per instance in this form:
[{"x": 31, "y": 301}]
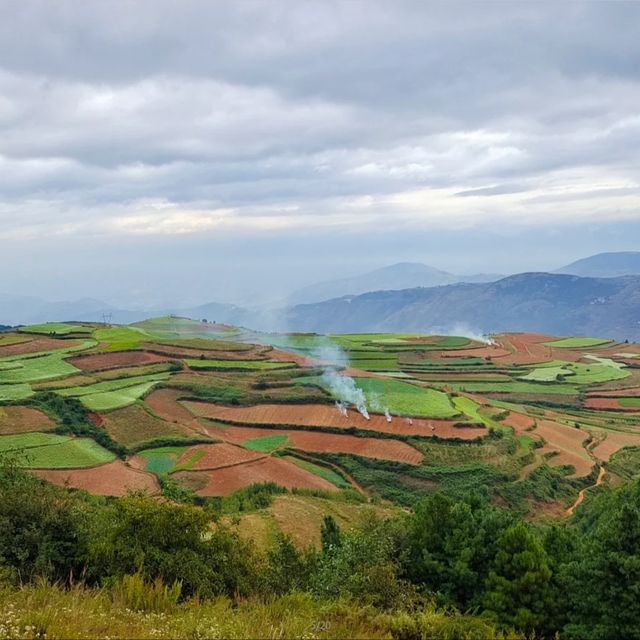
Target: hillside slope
[
  {"x": 605, "y": 265},
  {"x": 553, "y": 303}
]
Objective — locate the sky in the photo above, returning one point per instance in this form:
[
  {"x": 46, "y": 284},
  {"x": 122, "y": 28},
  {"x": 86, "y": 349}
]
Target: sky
[{"x": 162, "y": 152}]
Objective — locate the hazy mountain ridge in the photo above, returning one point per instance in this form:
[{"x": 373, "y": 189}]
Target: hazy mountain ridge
[
  {"x": 553, "y": 303},
  {"x": 402, "y": 275},
  {"x": 605, "y": 265}
]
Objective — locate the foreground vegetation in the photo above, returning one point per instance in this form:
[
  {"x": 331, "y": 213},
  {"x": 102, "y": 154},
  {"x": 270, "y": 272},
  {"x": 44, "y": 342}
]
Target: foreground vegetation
[{"x": 74, "y": 565}]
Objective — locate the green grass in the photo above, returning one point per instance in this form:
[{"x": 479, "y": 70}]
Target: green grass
[
  {"x": 511, "y": 387},
  {"x": 56, "y": 328},
  {"x": 577, "y": 342},
  {"x": 406, "y": 399},
  {"x": 10, "y": 392},
  {"x": 324, "y": 472},
  {"x": 238, "y": 365},
  {"x": 266, "y": 444},
  {"x": 162, "y": 460},
  {"x": 548, "y": 374},
  {"x": 50, "y": 451}
]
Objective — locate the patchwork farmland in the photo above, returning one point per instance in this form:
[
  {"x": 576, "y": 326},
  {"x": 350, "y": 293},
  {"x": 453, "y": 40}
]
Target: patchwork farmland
[{"x": 200, "y": 411}]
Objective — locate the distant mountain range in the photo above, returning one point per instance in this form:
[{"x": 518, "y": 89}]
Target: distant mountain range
[
  {"x": 586, "y": 297},
  {"x": 549, "y": 303},
  {"x": 403, "y": 275},
  {"x": 605, "y": 265}
]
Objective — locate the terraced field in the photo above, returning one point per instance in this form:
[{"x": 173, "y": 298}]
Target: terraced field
[{"x": 173, "y": 402}]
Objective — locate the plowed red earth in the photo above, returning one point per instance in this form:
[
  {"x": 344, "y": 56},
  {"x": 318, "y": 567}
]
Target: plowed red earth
[
  {"x": 164, "y": 403},
  {"x": 614, "y": 393},
  {"x": 476, "y": 352},
  {"x": 327, "y": 443},
  {"x": 608, "y": 404},
  {"x": 219, "y": 455},
  {"x": 36, "y": 345},
  {"x": 221, "y": 482},
  {"x": 520, "y": 422},
  {"x": 23, "y": 419},
  {"x": 113, "y": 479},
  {"x": 320, "y": 415},
  {"x": 529, "y": 348},
  {"x": 568, "y": 442},
  {"x": 614, "y": 441},
  {"x": 100, "y": 361}
]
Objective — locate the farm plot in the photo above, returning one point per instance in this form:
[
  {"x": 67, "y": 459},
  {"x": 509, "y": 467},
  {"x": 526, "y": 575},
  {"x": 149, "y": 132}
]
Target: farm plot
[
  {"x": 324, "y": 472},
  {"x": 578, "y": 343},
  {"x": 164, "y": 403},
  {"x": 38, "y": 345},
  {"x": 49, "y": 451},
  {"x": 319, "y": 415},
  {"x": 613, "y": 404},
  {"x": 224, "y": 481},
  {"x": 613, "y": 441},
  {"x": 215, "y": 456},
  {"x": 115, "y": 359},
  {"x": 113, "y": 394},
  {"x": 56, "y": 328},
  {"x": 33, "y": 368},
  {"x": 15, "y": 420},
  {"x": 133, "y": 425},
  {"x": 238, "y": 365},
  {"x": 11, "y": 392},
  {"x": 319, "y": 442},
  {"x": 115, "y": 478},
  {"x": 569, "y": 444}
]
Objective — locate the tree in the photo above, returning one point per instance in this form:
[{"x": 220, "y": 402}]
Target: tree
[
  {"x": 604, "y": 580},
  {"x": 330, "y": 535},
  {"x": 518, "y": 583}
]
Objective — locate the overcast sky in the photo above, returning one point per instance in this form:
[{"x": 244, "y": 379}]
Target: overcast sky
[{"x": 185, "y": 151}]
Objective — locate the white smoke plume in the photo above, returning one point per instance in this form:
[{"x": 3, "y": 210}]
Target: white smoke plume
[
  {"x": 342, "y": 386},
  {"x": 464, "y": 331}
]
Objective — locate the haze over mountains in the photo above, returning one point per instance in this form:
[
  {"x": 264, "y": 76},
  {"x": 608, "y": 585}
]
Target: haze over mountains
[{"x": 413, "y": 297}]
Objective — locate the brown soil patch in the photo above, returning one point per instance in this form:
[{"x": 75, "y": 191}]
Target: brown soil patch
[
  {"x": 614, "y": 393},
  {"x": 488, "y": 351},
  {"x": 164, "y": 402},
  {"x": 133, "y": 425},
  {"x": 221, "y": 482},
  {"x": 520, "y": 422},
  {"x": 614, "y": 441},
  {"x": 113, "y": 479},
  {"x": 608, "y": 404},
  {"x": 320, "y": 415},
  {"x": 525, "y": 348},
  {"x": 568, "y": 442},
  {"x": 36, "y": 345},
  {"x": 114, "y": 359},
  {"x": 23, "y": 420},
  {"x": 219, "y": 455},
  {"x": 318, "y": 442}
]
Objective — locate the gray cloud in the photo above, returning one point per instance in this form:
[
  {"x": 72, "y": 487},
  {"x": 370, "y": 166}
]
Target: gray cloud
[{"x": 210, "y": 119}]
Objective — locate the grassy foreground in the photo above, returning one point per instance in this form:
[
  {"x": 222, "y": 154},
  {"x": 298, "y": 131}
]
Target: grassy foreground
[{"x": 133, "y": 609}]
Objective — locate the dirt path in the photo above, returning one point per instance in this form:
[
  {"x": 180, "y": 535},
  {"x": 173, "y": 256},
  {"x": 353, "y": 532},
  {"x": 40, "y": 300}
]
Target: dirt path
[{"x": 601, "y": 474}]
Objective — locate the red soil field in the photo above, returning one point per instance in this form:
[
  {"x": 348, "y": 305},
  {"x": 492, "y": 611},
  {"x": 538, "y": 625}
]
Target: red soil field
[
  {"x": 614, "y": 441},
  {"x": 608, "y": 404},
  {"x": 164, "y": 403},
  {"x": 36, "y": 345},
  {"x": 113, "y": 479},
  {"x": 114, "y": 359},
  {"x": 614, "y": 393},
  {"x": 222, "y": 482},
  {"x": 320, "y": 415},
  {"x": 318, "y": 442},
  {"x": 175, "y": 351},
  {"x": 23, "y": 419},
  {"x": 526, "y": 348},
  {"x": 220, "y": 455},
  {"x": 520, "y": 422},
  {"x": 568, "y": 442},
  {"x": 486, "y": 351}
]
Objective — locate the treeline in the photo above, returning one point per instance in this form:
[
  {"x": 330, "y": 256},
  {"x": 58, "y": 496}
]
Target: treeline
[{"x": 580, "y": 579}]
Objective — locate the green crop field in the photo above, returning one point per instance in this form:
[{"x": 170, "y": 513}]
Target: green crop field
[
  {"x": 11, "y": 392},
  {"x": 121, "y": 338},
  {"x": 629, "y": 402},
  {"x": 266, "y": 444},
  {"x": 51, "y": 451},
  {"x": 56, "y": 328},
  {"x": 30, "y": 369},
  {"x": 238, "y": 365},
  {"x": 319, "y": 470},
  {"x": 406, "y": 399},
  {"x": 162, "y": 460},
  {"x": 116, "y": 399},
  {"x": 577, "y": 343},
  {"x": 111, "y": 385}
]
